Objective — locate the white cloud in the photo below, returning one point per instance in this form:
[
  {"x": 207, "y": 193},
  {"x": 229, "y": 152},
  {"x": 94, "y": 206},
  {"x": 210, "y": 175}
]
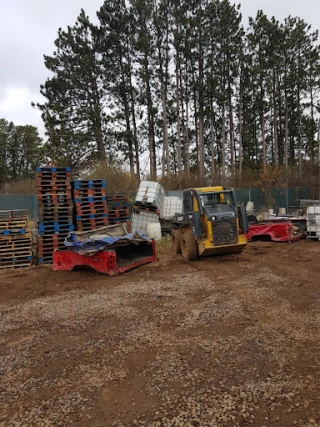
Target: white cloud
[{"x": 16, "y": 107}]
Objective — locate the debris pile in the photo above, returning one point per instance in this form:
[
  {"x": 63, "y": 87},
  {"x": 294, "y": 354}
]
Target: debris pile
[{"x": 15, "y": 240}]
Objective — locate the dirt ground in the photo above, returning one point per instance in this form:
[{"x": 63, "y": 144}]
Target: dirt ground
[{"x": 232, "y": 340}]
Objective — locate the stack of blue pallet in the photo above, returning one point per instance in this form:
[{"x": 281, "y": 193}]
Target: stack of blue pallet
[{"x": 55, "y": 210}]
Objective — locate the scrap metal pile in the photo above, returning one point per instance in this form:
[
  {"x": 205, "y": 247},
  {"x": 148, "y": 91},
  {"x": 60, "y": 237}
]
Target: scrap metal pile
[{"x": 108, "y": 250}]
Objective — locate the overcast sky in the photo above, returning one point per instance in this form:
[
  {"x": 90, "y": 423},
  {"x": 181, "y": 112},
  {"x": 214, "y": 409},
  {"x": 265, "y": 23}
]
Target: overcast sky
[{"x": 29, "y": 27}]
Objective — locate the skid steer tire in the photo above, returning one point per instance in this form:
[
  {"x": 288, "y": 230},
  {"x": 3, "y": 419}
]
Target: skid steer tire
[
  {"x": 176, "y": 237},
  {"x": 189, "y": 246}
]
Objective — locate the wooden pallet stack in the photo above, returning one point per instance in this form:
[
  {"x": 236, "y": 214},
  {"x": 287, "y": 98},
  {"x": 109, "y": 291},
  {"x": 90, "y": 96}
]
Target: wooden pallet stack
[
  {"x": 119, "y": 210},
  {"x": 91, "y": 209},
  {"x": 15, "y": 240},
  {"x": 55, "y": 210}
]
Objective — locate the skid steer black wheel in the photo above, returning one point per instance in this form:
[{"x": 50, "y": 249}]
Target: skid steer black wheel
[
  {"x": 189, "y": 246},
  {"x": 176, "y": 240}
]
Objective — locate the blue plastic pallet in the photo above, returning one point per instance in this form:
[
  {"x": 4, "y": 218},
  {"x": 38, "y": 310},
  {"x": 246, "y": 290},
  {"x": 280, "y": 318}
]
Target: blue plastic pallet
[
  {"x": 55, "y": 228},
  {"x": 89, "y": 186},
  {"x": 54, "y": 169},
  {"x": 115, "y": 205},
  {"x": 91, "y": 216},
  {"x": 17, "y": 231},
  {"x": 49, "y": 224},
  {"x": 127, "y": 218},
  {"x": 90, "y": 200}
]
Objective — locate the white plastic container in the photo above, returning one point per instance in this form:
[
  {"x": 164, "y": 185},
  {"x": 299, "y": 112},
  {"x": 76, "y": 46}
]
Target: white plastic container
[
  {"x": 154, "y": 231},
  {"x": 171, "y": 206},
  {"x": 313, "y": 221},
  {"x": 140, "y": 220},
  {"x": 150, "y": 193},
  {"x": 249, "y": 207}
]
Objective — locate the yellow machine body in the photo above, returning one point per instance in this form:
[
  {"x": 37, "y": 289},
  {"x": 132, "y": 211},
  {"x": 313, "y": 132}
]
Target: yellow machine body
[{"x": 206, "y": 244}]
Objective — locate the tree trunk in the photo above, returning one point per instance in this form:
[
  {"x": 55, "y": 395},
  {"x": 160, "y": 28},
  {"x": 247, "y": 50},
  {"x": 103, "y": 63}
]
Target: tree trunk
[
  {"x": 240, "y": 140},
  {"x": 165, "y": 127},
  {"x": 286, "y": 132},
  {"x": 152, "y": 148},
  {"x": 223, "y": 145},
  {"x": 133, "y": 112},
  {"x": 263, "y": 136},
  {"x": 299, "y": 133},
  {"x": 183, "y": 124},
  {"x": 318, "y": 142},
  {"x": 231, "y": 129},
  {"x": 201, "y": 113},
  {"x": 212, "y": 143},
  {"x": 275, "y": 123},
  {"x": 178, "y": 116},
  {"x": 187, "y": 165}
]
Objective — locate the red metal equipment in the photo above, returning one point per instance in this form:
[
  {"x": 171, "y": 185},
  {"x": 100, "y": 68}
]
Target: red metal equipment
[
  {"x": 110, "y": 262},
  {"x": 277, "y": 232}
]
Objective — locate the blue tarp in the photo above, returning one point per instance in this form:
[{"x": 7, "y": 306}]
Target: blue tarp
[{"x": 102, "y": 242}]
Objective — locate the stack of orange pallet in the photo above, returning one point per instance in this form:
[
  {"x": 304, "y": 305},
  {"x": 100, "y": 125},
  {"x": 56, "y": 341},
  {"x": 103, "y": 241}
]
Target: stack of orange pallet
[
  {"x": 119, "y": 210},
  {"x": 55, "y": 210},
  {"x": 91, "y": 209}
]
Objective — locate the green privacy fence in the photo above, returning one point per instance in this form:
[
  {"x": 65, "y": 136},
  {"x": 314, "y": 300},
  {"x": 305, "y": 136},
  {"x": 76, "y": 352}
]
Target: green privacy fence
[
  {"x": 272, "y": 198},
  {"x": 275, "y": 198},
  {"x": 20, "y": 201}
]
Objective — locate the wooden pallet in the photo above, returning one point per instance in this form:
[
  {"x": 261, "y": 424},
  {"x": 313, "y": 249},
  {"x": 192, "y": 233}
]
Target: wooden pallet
[
  {"x": 51, "y": 189},
  {"x": 13, "y": 232},
  {"x": 89, "y": 192},
  {"x": 19, "y": 264},
  {"x": 9, "y": 225},
  {"x": 89, "y": 199},
  {"x": 55, "y": 197},
  {"x": 12, "y": 215},
  {"x": 96, "y": 210},
  {"x": 15, "y": 253},
  {"x": 56, "y": 217},
  {"x": 51, "y": 182},
  {"x": 91, "y": 224},
  {"x": 16, "y": 238}
]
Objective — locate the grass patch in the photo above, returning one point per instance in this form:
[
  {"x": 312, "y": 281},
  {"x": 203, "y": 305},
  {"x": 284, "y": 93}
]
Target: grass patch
[{"x": 163, "y": 246}]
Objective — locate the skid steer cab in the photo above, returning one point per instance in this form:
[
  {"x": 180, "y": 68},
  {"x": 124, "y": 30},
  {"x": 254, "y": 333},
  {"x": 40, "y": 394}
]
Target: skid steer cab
[{"x": 210, "y": 223}]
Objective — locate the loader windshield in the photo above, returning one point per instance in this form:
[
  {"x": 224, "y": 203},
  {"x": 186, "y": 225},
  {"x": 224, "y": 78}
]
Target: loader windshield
[{"x": 222, "y": 203}]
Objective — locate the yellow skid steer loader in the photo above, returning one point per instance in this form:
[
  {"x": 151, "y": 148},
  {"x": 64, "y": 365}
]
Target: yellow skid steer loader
[{"x": 210, "y": 223}]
